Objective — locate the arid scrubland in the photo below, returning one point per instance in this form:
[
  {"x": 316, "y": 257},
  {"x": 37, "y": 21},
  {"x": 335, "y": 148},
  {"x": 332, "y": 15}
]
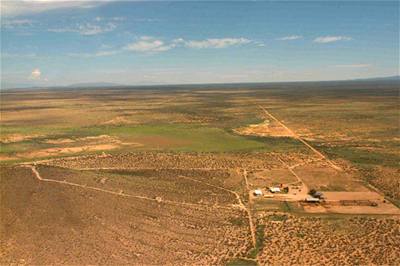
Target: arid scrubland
[{"x": 167, "y": 175}]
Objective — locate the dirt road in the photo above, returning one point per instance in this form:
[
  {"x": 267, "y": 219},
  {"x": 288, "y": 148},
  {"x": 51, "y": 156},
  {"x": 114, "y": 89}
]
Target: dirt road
[
  {"x": 121, "y": 194},
  {"x": 252, "y": 228},
  {"x": 240, "y": 204},
  {"x": 301, "y": 139},
  {"x": 304, "y": 189}
]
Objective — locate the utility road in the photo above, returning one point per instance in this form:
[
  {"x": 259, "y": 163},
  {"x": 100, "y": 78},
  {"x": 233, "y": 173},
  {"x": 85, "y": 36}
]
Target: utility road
[{"x": 296, "y": 136}]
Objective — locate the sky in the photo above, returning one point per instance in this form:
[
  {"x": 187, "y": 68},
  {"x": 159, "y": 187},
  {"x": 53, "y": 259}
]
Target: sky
[{"x": 57, "y": 43}]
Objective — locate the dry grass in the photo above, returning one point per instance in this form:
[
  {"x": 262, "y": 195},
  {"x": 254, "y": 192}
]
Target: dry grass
[
  {"x": 47, "y": 223},
  {"x": 340, "y": 241},
  {"x": 183, "y": 145}
]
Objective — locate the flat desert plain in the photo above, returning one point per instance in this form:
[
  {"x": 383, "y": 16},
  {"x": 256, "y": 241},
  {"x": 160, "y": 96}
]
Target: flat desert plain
[{"x": 182, "y": 175}]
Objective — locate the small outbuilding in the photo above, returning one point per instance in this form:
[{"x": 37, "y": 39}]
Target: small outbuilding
[
  {"x": 312, "y": 199},
  {"x": 274, "y": 189},
  {"x": 257, "y": 192},
  {"x": 318, "y": 194}
]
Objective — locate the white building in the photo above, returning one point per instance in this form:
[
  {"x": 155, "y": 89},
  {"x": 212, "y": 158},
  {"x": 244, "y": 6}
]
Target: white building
[
  {"x": 274, "y": 189},
  {"x": 257, "y": 192},
  {"x": 312, "y": 199}
]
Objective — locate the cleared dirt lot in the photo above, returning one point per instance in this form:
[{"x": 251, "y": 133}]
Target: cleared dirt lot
[
  {"x": 359, "y": 202},
  {"x": 320, "y": 176},
  {"x": 266, "y": 128},
  {"x": 271, "y": 177}
]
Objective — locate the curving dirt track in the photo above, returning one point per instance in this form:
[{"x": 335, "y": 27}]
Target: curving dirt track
[
  {"x": 120, "y": 193},
  {"x": 74, "y": 221}
]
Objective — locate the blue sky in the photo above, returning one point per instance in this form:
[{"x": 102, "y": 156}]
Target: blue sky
[{"x": 50, "y": 42}]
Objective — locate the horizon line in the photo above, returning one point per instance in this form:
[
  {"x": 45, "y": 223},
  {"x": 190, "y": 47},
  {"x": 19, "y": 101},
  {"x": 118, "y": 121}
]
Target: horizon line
[{"x": 114, "y": 85}]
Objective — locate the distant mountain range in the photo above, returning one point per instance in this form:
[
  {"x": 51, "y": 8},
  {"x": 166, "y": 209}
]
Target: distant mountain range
[
  {"x": 75, "y": 85},
  {"x": 391, "y": 78},
  {"x": 94, "y": 85},
  {"x": 110, "y": 84}
]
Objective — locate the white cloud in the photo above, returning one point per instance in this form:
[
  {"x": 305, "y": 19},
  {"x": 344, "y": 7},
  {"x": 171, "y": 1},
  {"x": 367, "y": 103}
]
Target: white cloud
[
  {"x": 87, "y": 29},
  {"x": 35, "y": 74},
  {"x": 329, "y": 39},
  {"x": 98, "y": 19},
  {"x": 9, "y": 55},
  {"x": 24, "y": 7},
  {"x": 178, "y": 41},
  {"x": 290, "y": 38},
  {"x": 216, "y": 43},
  {"x": 354, "y": 66},
  {"x": 146, "y": 19},
  {"x": 106, "y": 53},
  {"x": 90, "y": 29},
  {"x": 97, "y": 54},
  {"x": 118, "y": 18},
  {"x": 13, "y": 23},
  {"x": 105, "y": 46},
  {"x": 149, "y": 44}
]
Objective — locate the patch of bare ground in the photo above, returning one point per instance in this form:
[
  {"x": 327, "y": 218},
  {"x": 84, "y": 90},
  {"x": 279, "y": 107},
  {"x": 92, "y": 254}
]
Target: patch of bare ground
[
  {"x": 363, "y": 207},
  {"x": 271, "y": 177},
  {"x": 52, "y": 223},
  {"x": 67, "y": 150},
  {"x": 11, "y": 138},
  {"x": 7, "y": 158},
  {"x": 319, "y": 175},
  {"x": 366, "y": 202},
  {"x": 291, "y": 240},
  {"x": 118, "y": 121},
  {"x": 77, "y": 145},
  {"x": 88, "y": 139},
  {"x": 59, "y": 141},
  {"x": 266, "y": 128}
]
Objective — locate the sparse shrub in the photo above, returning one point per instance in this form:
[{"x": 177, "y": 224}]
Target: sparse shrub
[
  {"x": 260, "y": 237},
  {"x": 241, "y": 262},
  {"x": 277, "y": 217},
  {"x": 300, "y": 235},
  {"x": 237, "y": 221}
]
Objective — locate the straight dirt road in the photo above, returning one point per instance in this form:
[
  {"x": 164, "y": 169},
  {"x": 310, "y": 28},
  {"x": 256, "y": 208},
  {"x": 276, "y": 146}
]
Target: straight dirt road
[
  {"x": 252, "y": 227},
  {"x": 296, "y": 136}
]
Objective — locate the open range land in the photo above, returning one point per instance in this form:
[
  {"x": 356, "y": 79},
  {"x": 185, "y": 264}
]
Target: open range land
[{"x": 205, "y": 174}]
